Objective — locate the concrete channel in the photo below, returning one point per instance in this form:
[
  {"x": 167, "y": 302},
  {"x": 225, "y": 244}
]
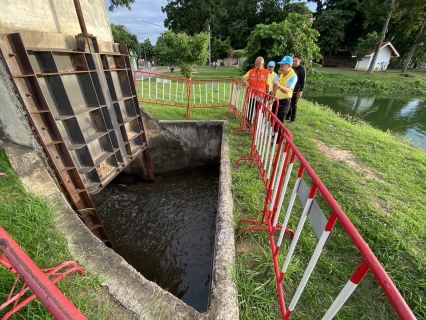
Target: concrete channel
[{"x": 191, "y": 143}]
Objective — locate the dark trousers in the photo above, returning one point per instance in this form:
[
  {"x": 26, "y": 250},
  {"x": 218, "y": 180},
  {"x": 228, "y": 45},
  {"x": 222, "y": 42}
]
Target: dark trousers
[
  {"x": 283, "y": 110},
  {"x": 293, "y": 108}
]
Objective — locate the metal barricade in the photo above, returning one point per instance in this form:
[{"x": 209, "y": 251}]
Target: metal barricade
[
  {"x": 210, "y": 93},
  {"x": 166, "y": 90},
  {"x": 283, "y": 187},
  {"x": 41, "y": 282},
  {"x": 161, "y": 89},
  {"x": 266, "y": 145}
]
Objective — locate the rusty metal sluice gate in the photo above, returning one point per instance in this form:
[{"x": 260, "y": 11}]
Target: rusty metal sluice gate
[{"x": 82, "y": 108}]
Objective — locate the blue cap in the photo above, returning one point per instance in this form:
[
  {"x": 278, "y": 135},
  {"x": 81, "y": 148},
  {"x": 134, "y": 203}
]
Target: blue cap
[
  {"x": 286, "y": 60},
  {"x": 271, "y": 64}
]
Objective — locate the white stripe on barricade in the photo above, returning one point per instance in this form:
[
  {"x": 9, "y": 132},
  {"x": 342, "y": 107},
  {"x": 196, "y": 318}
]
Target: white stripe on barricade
[
  {"x": 297, "y": 235},
  {"x": 309, "y": 269}
]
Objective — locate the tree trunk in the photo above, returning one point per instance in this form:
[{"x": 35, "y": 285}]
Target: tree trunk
[
  {"x": 382, "y": 36},
  {"x": 404, "y": 69}
]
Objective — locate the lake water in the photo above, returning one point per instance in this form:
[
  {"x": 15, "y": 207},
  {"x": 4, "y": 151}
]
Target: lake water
[{"x": 404, "y": 116}]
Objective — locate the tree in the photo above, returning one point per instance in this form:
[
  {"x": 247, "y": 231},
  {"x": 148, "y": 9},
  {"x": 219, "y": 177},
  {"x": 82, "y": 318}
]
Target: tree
[
  {"x": 221, "y": 49},
  {"x": 147, "y": 50},
  {"x": 297, "y": 7},
  {"x": 238, "y": 55},
  {"x": 294, "y": 35},
  {"x": 381, "y": 37},
  {"x": 331, "y": 26},
  {"x": 121, "y": 34},
  {"x": 404, "y": 69},
  {"x": 365, "y": 45},
  {"x": 191, "y": 16},
  {"x": 120, "y": 3},
  {"x": 183, "y": 50}
]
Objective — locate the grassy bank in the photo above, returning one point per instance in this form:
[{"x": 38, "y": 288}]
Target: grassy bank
[
  {"x": 30, "y": 221},
  {"x": 390, "y": 82}
]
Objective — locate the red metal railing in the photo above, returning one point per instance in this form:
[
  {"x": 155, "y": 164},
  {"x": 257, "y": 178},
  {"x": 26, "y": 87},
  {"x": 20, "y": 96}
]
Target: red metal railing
[
  {"x": 162, "y": 89},
  {"x": 282, "y": 158},
  {"x": 40, "y": 282}
]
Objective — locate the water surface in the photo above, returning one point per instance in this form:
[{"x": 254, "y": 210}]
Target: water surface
[
  {"x": 165, "y": 230},
  {"x": 404, "y": 116}
]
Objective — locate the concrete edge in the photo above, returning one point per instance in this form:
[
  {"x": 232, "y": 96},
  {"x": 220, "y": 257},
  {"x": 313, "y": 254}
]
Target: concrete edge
[{"x": 224, "y": 301}]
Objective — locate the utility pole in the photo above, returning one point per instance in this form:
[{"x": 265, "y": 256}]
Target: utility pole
[{"x": 210, "y": 48}]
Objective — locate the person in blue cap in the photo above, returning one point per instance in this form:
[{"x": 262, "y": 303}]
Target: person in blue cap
[
  {"x": 283, "y": 88},
  {"x": 272, "y": 75}
]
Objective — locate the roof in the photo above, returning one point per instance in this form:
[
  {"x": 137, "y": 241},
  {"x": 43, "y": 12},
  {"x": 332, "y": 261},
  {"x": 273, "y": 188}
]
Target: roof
[{"x": 385, "y": 44}]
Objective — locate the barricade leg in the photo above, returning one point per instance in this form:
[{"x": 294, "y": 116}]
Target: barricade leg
[{"x": 41, "y": 282}]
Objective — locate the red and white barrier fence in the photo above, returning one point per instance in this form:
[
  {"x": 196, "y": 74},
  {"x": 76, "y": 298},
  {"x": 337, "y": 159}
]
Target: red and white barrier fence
[
  {"x": 162, "y": 89},
  {"x": 276, "y": 160}
]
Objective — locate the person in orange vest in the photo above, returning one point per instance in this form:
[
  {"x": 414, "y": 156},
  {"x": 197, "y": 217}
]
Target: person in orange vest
[
  {"x": 259, "y": 79},
  {"x": 283, "y": 88}
]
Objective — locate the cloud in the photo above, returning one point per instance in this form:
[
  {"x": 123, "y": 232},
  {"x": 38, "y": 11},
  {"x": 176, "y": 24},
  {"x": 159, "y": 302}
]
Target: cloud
[{"x": 147, "y": 10}]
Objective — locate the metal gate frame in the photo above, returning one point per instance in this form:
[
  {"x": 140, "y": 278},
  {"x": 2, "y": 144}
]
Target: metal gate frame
[{"x": 83, "y": 110}]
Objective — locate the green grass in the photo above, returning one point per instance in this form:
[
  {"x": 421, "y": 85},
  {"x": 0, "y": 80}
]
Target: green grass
[
  {"x": 30, "y": 222},
  {"x": 335, "y": 80}
]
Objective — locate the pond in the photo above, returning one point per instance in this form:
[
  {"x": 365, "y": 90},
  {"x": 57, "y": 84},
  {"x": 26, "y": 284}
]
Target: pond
[{"x": 404, "y": 116}]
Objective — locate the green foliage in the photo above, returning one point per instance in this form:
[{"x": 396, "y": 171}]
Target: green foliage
[
  {"x": 183, "y": 50},
  {"x": 147, "y": 50},
  {"x": 294, "y": 35},
  {"x": 122, "y": 35},
  {"x": 120, "y": 3},
  {"x": 191, "y": 16},
  {"x": 366, "y": 45},
  {"x": 383, "y": 83},
  {"x": 221, "y": 49},
  {"x": 331, "y": 26}
]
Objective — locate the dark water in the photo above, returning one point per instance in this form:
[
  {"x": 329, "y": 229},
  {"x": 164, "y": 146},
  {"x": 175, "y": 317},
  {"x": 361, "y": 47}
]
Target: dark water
[
  {"x": 165, "y": 230},
  {"x": 404, "y": 116}
]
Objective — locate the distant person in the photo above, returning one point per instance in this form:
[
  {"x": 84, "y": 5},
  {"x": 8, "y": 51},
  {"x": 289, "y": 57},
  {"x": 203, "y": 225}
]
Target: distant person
[
  {"x": 172, "y": 68},
  {"x": 258, "y": 78},
  {"x": 298, "y": 88},
  {"x": 270, "y": 67},
  {"x": 149, "y": 65},
  {"x": 283, "y": 87}
]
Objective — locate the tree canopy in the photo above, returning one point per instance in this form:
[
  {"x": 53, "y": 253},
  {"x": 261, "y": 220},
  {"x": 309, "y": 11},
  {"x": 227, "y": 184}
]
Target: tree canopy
[
  {"x": 293, "y": 36},
  {"x": 342, "y": 24},
  {"x": 221, "y": 49},
  {"x": 113, "y": 4},
  {"x": 183, "y": 50},
  {"x": 121, "y": 34}
]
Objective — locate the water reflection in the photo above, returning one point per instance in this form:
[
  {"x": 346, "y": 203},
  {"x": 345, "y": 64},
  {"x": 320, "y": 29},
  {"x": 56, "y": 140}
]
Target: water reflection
[{"x": 403, "y": 116}]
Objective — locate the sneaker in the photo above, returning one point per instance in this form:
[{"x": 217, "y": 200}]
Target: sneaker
[{"x": 290, "y": 122}]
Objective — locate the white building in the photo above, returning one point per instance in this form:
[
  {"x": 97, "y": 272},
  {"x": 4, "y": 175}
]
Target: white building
[
  {"x": 232, "y": 62},
  {"x": 386, "y": 51}
]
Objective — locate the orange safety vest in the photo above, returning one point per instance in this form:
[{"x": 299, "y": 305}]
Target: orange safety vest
[{"x": 258, "y": 80}]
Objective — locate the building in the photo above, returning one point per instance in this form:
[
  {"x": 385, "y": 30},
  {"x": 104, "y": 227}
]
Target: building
[{"x": 386, "y": 51}]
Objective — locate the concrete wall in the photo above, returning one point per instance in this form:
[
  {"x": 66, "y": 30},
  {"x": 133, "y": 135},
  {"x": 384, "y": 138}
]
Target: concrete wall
[
  {"x": 180, "y": 145},
  {"x": 54, "y": 23},
  {"x": 43, "y": 24}
]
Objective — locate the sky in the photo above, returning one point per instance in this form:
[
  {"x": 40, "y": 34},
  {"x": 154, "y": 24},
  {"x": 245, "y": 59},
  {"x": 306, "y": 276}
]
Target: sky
[{"x": 149, "y": 11}]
